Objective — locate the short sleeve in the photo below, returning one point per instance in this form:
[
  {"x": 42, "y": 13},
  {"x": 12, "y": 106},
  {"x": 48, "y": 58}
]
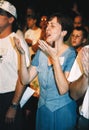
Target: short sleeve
[
  {"x": 70, "y": 58},
  {"x": 35, "y": 61}
]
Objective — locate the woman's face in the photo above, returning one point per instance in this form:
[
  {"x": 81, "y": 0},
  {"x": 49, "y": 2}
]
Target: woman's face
[
  {"x": 53, "y": 31},
  {"x": 77, "y": 38}
]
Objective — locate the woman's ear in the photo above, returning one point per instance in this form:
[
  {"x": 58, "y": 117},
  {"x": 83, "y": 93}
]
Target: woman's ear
[
  {"x": 84, "y": 40},
  {"x": 64, "y": 32}
]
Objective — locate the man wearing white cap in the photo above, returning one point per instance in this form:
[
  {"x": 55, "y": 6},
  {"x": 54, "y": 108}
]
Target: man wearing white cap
[{"x": 10, "y": 85}]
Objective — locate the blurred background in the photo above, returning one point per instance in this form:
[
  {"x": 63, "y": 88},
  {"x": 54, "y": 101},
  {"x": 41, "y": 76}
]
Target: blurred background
[{"x": 52, "y": 5}]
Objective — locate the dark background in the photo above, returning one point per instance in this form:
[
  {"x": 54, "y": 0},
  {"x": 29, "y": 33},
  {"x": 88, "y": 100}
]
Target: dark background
[{"x": 52, "y": 5}]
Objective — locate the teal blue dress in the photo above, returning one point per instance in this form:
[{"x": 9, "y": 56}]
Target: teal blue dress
[{"x": 55, "y": 111}]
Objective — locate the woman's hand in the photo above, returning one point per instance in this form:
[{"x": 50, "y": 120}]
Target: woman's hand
[{"x": 50, "y": 51}]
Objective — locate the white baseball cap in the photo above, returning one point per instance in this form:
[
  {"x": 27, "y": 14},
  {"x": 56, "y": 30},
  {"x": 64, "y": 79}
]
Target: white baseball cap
[{"x": 7, "y": 6}]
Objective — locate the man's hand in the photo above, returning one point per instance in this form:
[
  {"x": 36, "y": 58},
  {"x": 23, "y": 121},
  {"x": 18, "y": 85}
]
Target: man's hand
[
  {"x": 85, "y": 60},
  {"x": 10, "y": 115},
  {"x": 18, "y": 45}
]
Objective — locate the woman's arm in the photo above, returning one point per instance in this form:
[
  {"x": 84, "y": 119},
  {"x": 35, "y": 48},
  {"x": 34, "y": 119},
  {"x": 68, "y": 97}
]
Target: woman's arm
[
  {"x": 60, "y": 77},
  {"x": 26, "y": 74}
]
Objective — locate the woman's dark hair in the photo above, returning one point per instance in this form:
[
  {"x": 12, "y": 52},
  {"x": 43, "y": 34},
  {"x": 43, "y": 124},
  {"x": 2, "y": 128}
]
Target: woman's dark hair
[
  {"x": 65, "y": 21},
  {"x": 81, "y": 28}
]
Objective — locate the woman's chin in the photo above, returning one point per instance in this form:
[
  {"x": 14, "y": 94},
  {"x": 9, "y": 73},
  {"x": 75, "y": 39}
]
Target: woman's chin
[{"x": 49, "y": 42}]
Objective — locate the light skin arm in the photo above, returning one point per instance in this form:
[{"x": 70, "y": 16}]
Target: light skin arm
[
  {"x": 29, "y": 42},
  {"x": 60, "y": 77},
  {"x": 79, "y": 87},
  {"x": 26, "y": 74},
  {"x": 35, "y": 47},
  {"x": 20, "y": 88},
  {"x": 11, "y": 113},
  {"x": 85, "y": 60}
]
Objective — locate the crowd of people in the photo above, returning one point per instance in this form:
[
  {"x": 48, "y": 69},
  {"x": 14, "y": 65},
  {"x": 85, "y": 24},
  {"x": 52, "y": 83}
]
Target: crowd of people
[{"x": 50, "y": 54}]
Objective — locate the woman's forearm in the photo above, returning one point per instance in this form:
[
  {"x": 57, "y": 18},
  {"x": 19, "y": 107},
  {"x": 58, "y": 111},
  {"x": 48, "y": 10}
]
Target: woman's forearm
[
  {"x": 60, "y": 77},
  {"x": 24, "y": 70}
]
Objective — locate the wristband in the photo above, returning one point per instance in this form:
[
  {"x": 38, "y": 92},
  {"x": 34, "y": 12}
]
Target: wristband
[{"x": 14, "y": 106}]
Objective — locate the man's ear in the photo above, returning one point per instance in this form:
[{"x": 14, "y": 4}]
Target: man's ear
[{"x": 11, "y": 20}]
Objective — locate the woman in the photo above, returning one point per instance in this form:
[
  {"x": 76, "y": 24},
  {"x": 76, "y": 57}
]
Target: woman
[{"x": 52, "y": 63}]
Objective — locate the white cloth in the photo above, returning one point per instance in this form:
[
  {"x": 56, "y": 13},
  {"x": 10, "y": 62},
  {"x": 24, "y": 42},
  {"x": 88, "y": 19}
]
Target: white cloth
[
  {"x": 34, "y": 35},
  {"x": 75, "y": 72},
  {"x": 9, "y": 63},
  {"x": 84, "y": 108},
  {"x": 27, "y": 94}
]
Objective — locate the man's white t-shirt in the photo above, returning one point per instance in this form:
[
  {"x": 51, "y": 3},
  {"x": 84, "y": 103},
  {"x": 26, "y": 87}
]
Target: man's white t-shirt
[{"x": 10, "y": 62}]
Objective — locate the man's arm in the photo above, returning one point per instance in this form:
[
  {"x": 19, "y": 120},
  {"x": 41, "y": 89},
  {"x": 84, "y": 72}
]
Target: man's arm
[
  {"x": 11, "y": 113},
  {"x": 78, "y": 87}
]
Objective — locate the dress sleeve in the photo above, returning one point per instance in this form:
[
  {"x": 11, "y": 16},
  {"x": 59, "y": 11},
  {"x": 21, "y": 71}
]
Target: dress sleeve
[
  {"x": 70, "y": 58},
  {"x": 35, "y": 61}
]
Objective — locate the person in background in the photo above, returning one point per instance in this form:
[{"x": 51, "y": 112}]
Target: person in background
[
  {"x": 78, "y": 21},
  {"x": 52, "y": 63},
  {"x": 80, "y": 88},
  {"x": 28, "y": 11},
  {"x": 75, "y": 8},
  {"x": 83, "y": 121},
  {"x": 79, "y": 38},
  {"x": 33, "y": 33},
  {"x": 42, "y": 25},
  {"x": 11, "y": 117},
  {"x": 43, "y": 21}
]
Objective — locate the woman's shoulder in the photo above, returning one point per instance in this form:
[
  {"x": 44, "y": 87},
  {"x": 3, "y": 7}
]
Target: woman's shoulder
[{"x": 70, "y": 50}]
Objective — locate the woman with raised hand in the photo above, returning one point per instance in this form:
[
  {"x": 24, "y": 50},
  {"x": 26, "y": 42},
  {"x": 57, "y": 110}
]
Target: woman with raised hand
[{"x": 52, "y": 63}]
